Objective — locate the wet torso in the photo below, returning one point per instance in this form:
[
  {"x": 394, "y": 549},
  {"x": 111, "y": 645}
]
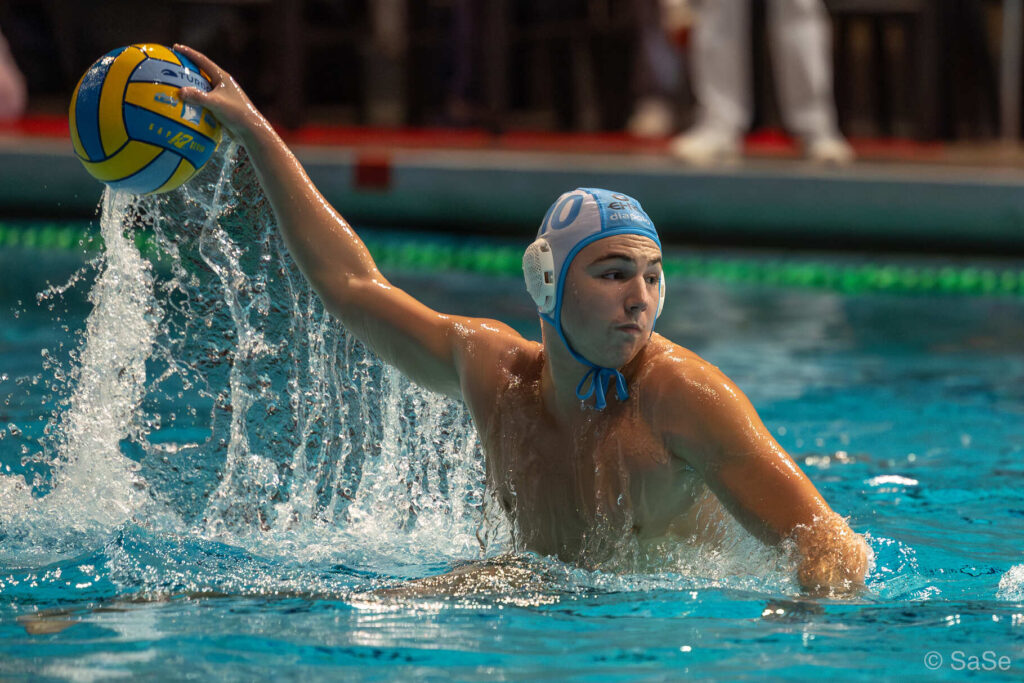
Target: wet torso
[{"x": 579, "y": 491}]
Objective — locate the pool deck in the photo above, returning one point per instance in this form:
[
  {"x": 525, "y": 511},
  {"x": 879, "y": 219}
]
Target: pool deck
[{"x": 898, "y": 195}]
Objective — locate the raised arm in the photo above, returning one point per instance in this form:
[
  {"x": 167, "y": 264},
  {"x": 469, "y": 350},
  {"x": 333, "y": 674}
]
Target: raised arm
[
  {"x": 712, "y": 425},
  {"x": 423, "y": 343}
]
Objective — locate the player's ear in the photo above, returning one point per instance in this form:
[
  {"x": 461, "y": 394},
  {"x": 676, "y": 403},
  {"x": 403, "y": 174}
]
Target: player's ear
[{"x": 661, "y": 295}]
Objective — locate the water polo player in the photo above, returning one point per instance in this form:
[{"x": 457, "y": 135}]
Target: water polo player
[{"x": 603, "y": 433}]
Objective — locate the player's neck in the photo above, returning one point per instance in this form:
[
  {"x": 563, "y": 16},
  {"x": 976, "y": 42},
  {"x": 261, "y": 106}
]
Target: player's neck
[{"x": 560, "y": 376}]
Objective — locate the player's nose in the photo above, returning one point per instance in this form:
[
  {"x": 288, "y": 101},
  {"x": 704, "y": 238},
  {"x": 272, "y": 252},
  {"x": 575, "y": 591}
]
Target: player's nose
[{"x": 637, "y": 297}]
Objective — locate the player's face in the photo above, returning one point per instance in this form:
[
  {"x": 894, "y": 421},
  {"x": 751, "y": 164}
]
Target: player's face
[{"x": 611, "y": 298}]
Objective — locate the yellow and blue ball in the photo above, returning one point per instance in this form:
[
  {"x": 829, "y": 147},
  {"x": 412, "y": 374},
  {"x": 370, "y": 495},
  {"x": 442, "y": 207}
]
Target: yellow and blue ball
[{"x": 129, "y": 127}]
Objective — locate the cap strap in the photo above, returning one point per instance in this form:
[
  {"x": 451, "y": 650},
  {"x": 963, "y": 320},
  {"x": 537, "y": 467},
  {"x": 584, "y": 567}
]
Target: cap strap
[
  {"x": 599, "y": 379},
  {"x": 598, "y": 376}
]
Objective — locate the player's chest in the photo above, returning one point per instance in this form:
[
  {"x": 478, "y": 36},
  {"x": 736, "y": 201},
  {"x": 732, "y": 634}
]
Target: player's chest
[{"x": 597, "y": 464}]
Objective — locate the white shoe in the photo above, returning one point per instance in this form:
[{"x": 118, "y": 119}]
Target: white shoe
[
  {"x": 703, "y": 146},
  {"x": 652, "y": 118},
  {"x": 831, "y": 150}
]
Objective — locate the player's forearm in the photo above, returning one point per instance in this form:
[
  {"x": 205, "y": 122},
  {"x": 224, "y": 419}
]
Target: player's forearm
[{"x": 323, "y": 244}]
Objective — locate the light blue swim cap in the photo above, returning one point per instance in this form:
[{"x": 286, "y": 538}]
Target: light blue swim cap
[{"x": 575, "y": 220}]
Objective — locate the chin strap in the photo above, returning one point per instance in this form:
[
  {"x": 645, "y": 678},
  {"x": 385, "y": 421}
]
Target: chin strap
[{"x": 600, "y": 378}]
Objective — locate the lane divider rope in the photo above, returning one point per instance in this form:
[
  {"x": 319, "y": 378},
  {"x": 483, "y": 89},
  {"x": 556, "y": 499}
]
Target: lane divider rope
[{"x": 419, "y": 253}]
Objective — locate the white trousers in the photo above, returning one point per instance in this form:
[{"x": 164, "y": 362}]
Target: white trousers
[{"x": 801, "y": 44}]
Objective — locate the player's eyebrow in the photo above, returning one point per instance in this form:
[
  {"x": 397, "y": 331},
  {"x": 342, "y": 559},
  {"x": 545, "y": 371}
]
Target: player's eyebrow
[{"x": 616, "y": 256}]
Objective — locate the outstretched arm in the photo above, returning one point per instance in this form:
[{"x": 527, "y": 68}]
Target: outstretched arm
[
  {"x": 424, "y": 344},
  {"x": 711, "y": 424}
]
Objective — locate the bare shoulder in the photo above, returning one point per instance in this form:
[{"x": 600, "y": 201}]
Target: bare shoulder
[
  {"x": 672, "y": 374},
  {"x": 687, "y": 399},
  {"x": 491, "y": 355},
  {"x": 493, "y": 339}
]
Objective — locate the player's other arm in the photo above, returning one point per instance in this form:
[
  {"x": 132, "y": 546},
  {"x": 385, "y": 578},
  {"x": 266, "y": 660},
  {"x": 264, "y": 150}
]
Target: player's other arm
[
  {"x": 711, "y": 424},
  {"x": 426, "y": 345}
]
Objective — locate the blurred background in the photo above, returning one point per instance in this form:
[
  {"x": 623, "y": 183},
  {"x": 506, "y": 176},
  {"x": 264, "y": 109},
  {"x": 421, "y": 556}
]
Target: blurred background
[
  {"x": 921, "y": 69},
  {"x": 773, "y": 109}
]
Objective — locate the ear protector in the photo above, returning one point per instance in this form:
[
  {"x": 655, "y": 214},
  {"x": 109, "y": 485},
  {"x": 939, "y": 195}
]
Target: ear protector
[
  {"x": 539, "y": 271},
  {"x": 542, "y": 283}
]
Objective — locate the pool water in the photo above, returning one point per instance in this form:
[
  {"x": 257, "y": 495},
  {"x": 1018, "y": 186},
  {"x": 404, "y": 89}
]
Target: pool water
[{"x": 203, "y": 476}]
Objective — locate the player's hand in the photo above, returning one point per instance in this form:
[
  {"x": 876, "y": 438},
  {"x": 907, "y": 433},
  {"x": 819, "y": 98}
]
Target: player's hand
[
  {"x": 834, "y": 560},
  {"x": 226, "y": 99}
]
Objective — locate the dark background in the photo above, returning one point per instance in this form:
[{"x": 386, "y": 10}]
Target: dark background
[{"x": 924, "y": 69}]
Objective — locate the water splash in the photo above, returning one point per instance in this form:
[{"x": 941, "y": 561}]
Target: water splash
[
  {"x": 317, "y": 449},
  {"x": 1011, "y": 584},
  {"x": 213, "y": 396},
  {"x": 93, "y": 486}
]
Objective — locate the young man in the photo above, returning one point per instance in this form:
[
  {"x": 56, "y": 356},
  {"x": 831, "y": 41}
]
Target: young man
[{"x": 602, "y": 430}]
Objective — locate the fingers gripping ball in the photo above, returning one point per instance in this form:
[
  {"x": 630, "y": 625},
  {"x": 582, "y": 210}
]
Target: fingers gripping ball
[{"x": 129, "y": 127}]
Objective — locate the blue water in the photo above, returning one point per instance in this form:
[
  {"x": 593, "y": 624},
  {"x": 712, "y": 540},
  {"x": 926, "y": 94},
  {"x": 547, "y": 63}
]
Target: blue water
[{"x": 203, "y": 476}]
